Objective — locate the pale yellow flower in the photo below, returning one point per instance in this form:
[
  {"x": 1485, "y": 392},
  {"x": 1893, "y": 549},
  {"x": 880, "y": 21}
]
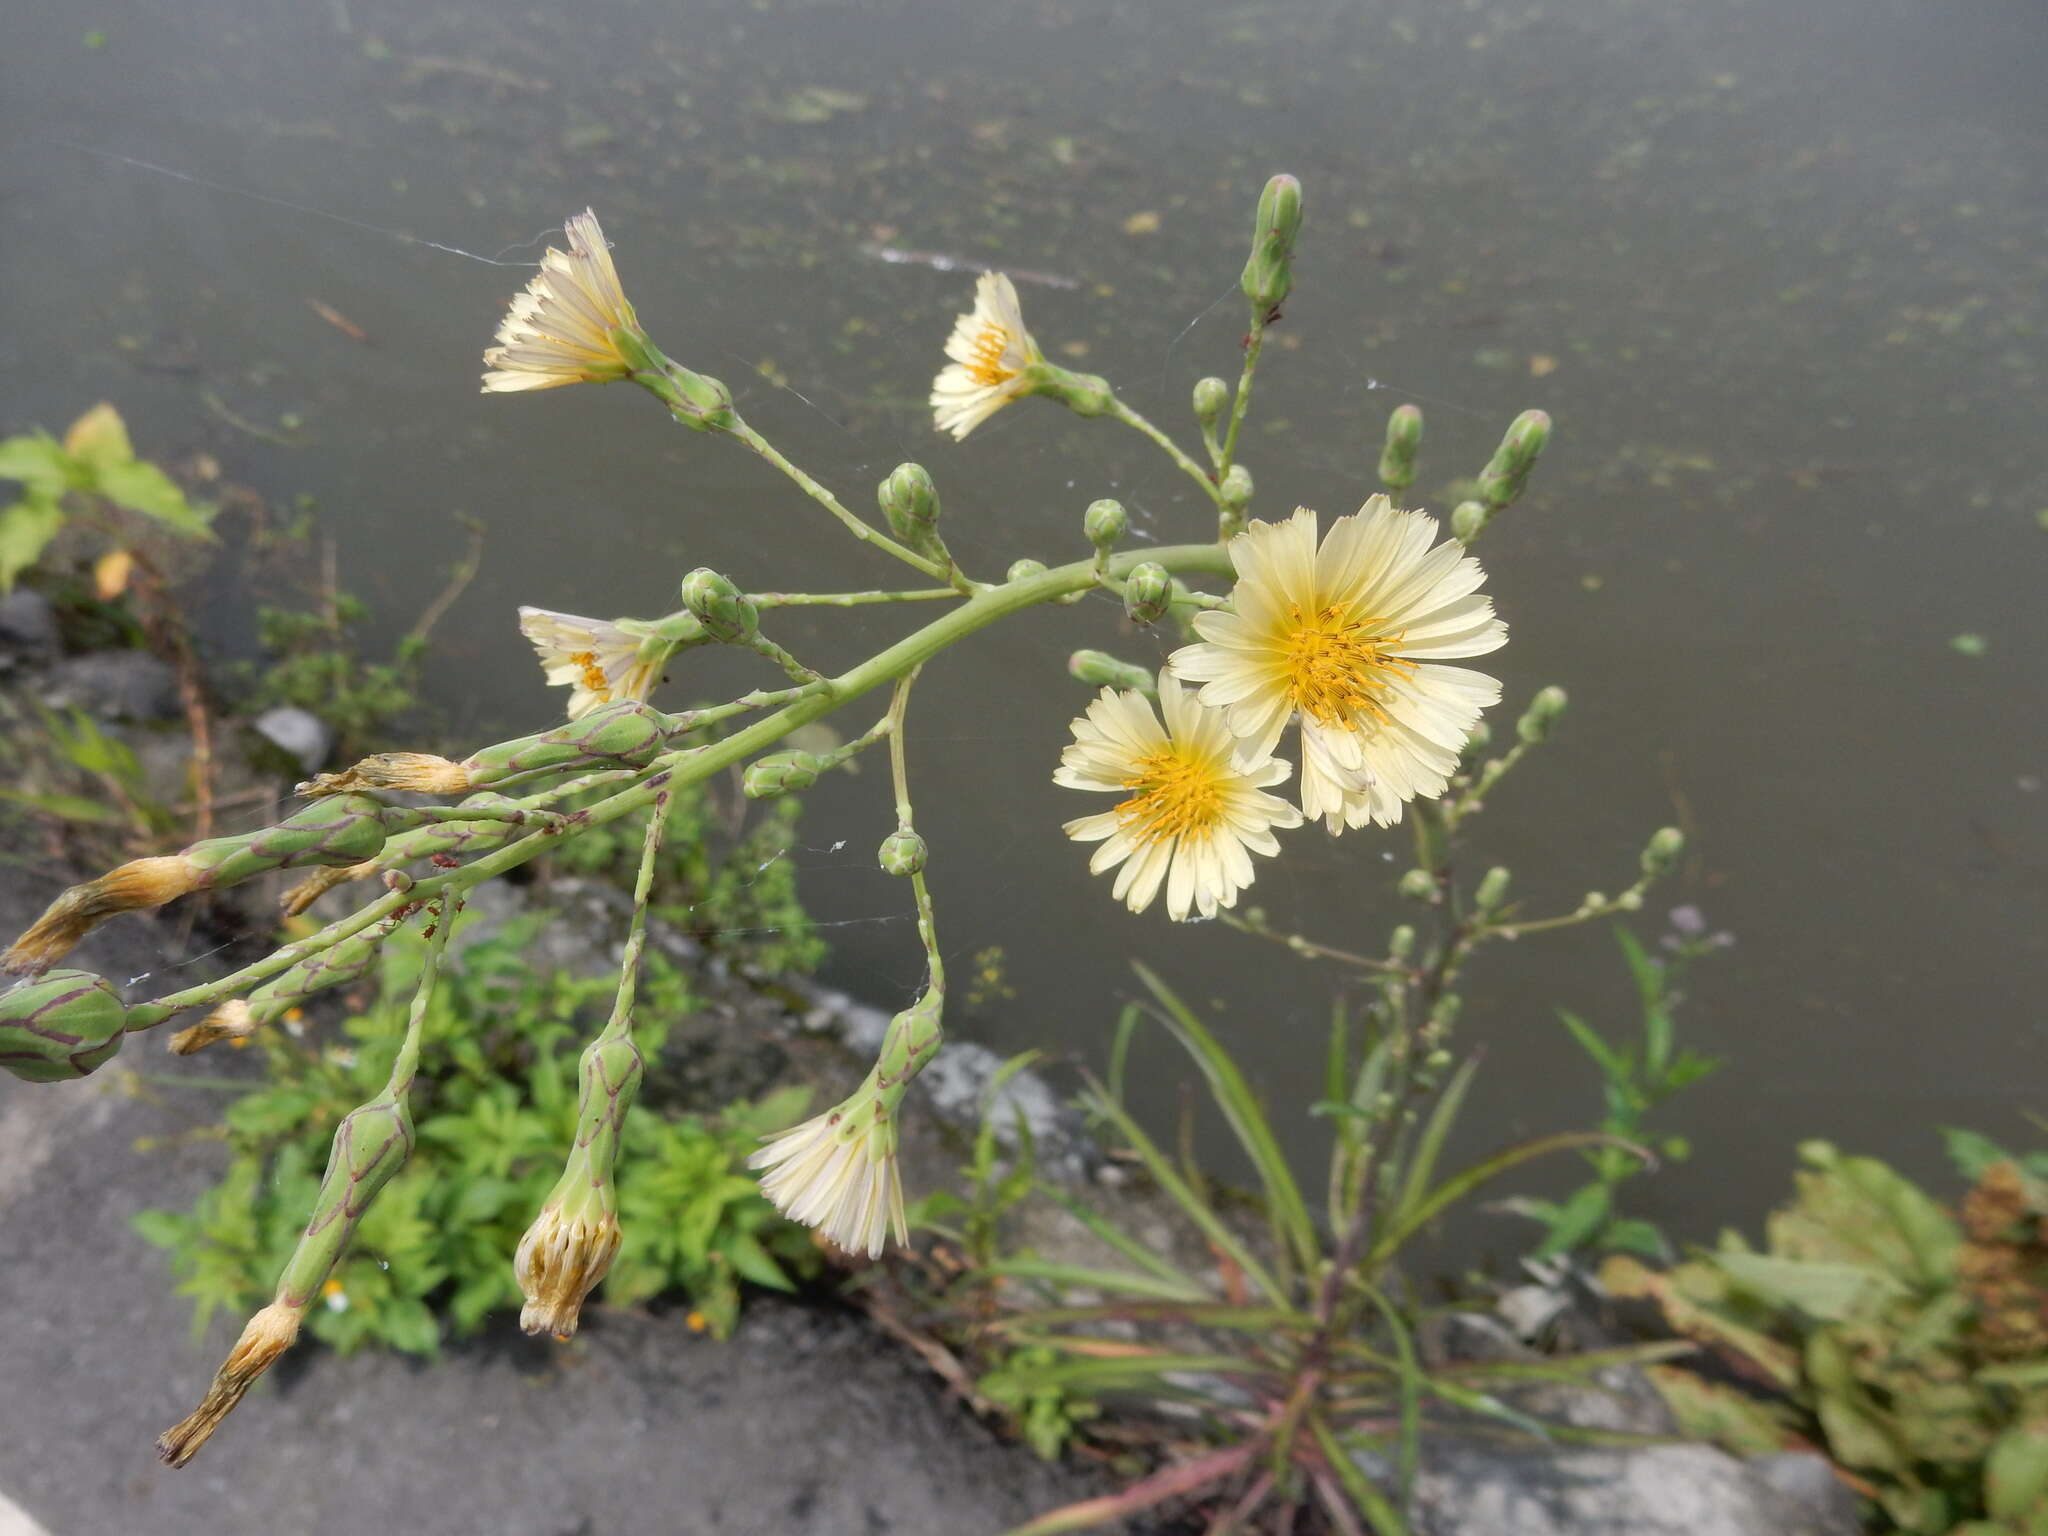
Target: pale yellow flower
[
  {"x": 599, "y": 660},
  {"x": 1350, "y": 637},
  {"x": 837, "y": 1172},
  {"x": 1195, "y": 809},
  {"x": 558, "y": 330},
  {"x": 992, "y": 355}
]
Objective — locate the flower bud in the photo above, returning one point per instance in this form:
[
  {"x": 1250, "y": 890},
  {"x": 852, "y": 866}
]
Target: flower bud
[
  {"x": 911, "y": 503},
  {"x": 902, "y": 853},
  {"x": 1469, "y": 520},
  {"x": 696, "y": 400},
  {"x": 1236, "y": 489},
  {"x": 727, "y": 614},
  {"x": 1493, "y": 890},
  {"x": 1397, "y": 458},
  {"x": 781, "y": 773},
  {"x": 560, "y": 1260},
  {"x": 1543, "y": 712},
  {"x": 1630, "y": 901},
  {"x": 60, "y": 1027},
  {"x": 1269, "y": 271},
  {"x": 1148, "y": 593},
  {"x": 1508, "y": 471},
  {"x": 1401, "y": 943},
  {"x": 1212, "y": 395},
  {"x": 1477, "y": 740},
  {"x": 1592, "y": 901},
  {"x": 1445, "y": 1014},
  {"x": 1437, "y": 1059},
  {"x": 1418, "y": 885},
  {"x": 1105, "y": 522},
  {"x": 1085, "y": 394},
  {"x": 1099, "y": 669},
  {"x": 232, "y": 1020},
  {"x": 1664, "y": 849},
  {"x": 1020, "y": 569}
]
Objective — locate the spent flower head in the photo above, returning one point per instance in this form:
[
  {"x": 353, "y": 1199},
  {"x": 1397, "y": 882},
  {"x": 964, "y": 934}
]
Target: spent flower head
[
  {"x": 1350, "y": 636},
  {"x": 601, "y": 661},
  {"x": 837, "y": 1172},
  {"x": 1195, "y": 808},
  {"x": 993, "y": 357},
  {"x": 559, "y": 328}
]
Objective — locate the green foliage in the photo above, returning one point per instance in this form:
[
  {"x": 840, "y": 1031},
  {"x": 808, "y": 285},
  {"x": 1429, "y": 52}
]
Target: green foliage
[
  {"x": 73, "y": 753},
  {"x": 89, "y": 477},
  {"x": 1296, "y": 1347},
  {"x": 1911, "y": 1345},
  {"x": 314, "y": 661},
  {"x": 494, "y": 1105},
  {"x": 728, "y": 884},
  {"x": 1637, "y": 1078}
]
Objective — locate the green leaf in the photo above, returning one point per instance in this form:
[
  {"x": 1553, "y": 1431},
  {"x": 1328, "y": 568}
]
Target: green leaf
[
  {"x": 1115, "y": 1282},
  {"x": 161, "y": 1229},
  {"x": 1591, "y": 1042},
  {"x": 751, "y": 1262},
  {"x": 66, "y": 807},
  {"x": 1430, "y": 1144},
  {"x": 1971, "y": 1153},
  {"x": 39, "y": 462},
  {"x": 1414, "y": 1217},
  {"x": 25, "y": 528},
  {"x": 1630, "y": 1235},
  {"x": 1577, "y": 1221},
  {"x": 141, "y": 487},
  {"x": 1109, "y": 1232},
  {"x": 1833, "y": 1293}
]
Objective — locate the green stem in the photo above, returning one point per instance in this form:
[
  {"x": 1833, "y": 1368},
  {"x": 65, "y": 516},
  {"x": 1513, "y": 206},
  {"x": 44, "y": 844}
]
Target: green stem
[
  {"x": 1194, "y": 471},
  {"x": 849, "y": 599},
  {"x": 407, "y": 1061},
  {"x": 1241, "y": 402},
  {"x": 621, "y": 1021},
  {"x": 860, "y": 529},
  {"x": 986, "y": 607}
]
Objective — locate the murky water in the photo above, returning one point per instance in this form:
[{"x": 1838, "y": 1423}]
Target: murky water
[{"x": 1777, "y": 270}]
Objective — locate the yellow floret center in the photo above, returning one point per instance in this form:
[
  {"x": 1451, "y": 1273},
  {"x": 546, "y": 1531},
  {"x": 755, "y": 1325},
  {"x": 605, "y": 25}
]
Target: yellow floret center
[
  {"x": 594, "y": 680},
  {"x": 1175, "y": 795},
  {"x": 986, "y": 366},
  {"x": 1337, "y": 665}
]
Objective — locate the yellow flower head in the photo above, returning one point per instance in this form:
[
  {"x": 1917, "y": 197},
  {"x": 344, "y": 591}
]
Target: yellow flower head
[
  {"x": 1349, "y": 637},
  {"x": 599, "y": 660},
  {"x": 1194, "y": 808},
  {"x": 991, "y": 354},
  {"x": 558, "y": 330}
]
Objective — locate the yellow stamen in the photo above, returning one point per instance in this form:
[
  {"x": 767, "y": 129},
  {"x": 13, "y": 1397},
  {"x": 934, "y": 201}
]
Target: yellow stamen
[
  {"x": 1337, "y": 666},
  {"x": 1176, "y": 795},
  {"x": 987, "y": 368}
]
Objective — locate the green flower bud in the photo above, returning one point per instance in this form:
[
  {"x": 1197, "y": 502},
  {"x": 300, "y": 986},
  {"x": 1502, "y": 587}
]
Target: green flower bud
[
  {"x": 1508, "y": 471},
  {"x": 1593, "y": 901},
  {"x": 1085, "y": 394},
  {"x": 1401, "y": 943},
  {"x": 1663, "y": 850},
  {"x": 1676, "y": 1148},
  {"x": 902, "y": 852},
  {"x": 1148, "y": 593},
  {"x": 1630, "y": 901},
  {"x": 60, "y": 1027},
  {"x": 1437, "y": 1059},
  {"x": 1469, "y": 520},
  {"x": 370, "y": 1145},
  {"x": 1397, "y": 458},
  {"x": 1493, "y": 889},
  {"x": 911, "y": 502},
  {"x": 1236, "y": 489},
  {"x": 1105, "y": 522},
  {"x": 727, "y": 614},
  {"x": 697, "y": 400},
  {"x": 781, "y": 773},
  {"x": 1212, "y": 396},
  {"x": 1020, "y": 569},
  {"x": 676, "y": 631},
  {"x": 1477, "y": 740},
  {"x": 1099, "y": 669},
  {"x": 1418, "y": 885},
  {"x": 1445, "y": 1013},
  {"x": 1543, "y": 712},
  {"x": 1269, "y": 271}
]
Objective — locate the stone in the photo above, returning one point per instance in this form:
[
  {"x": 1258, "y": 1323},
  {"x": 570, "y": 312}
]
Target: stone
[
  {"x": 300, "y": 733},
  {"x": 28, "y": 624},
  {"x": 115, "y": 685},
  {"x": 1470, "y": 1488}
]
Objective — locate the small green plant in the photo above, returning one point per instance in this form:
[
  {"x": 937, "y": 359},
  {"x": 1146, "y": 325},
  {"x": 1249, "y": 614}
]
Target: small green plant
[
  {"x": 1636, "y": 1080},
  {"x": 1274, "y": 1377},
  {"x": 497, "y": 1097},
  {"x": 1910, "y": 1345},
  {"x": 90, "y": 478}
]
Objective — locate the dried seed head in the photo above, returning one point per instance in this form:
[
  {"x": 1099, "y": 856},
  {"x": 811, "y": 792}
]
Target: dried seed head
[
  {"x": 268, "y": 1334},
  {"x": 560, "y": 1261}
]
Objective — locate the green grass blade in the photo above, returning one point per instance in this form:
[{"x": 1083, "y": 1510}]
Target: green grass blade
[
  {"x": 1429, "y": 1145},
  {"x": 1116, "y": 1282},
  {"x": 1386, "y": 1520},
  {"x": 1413, "y": 1218},
  {"x": 1138, "y": 1253},
  {"x": 1198, "y": 1210},
  {"x": 1233, "y": 1095}
]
